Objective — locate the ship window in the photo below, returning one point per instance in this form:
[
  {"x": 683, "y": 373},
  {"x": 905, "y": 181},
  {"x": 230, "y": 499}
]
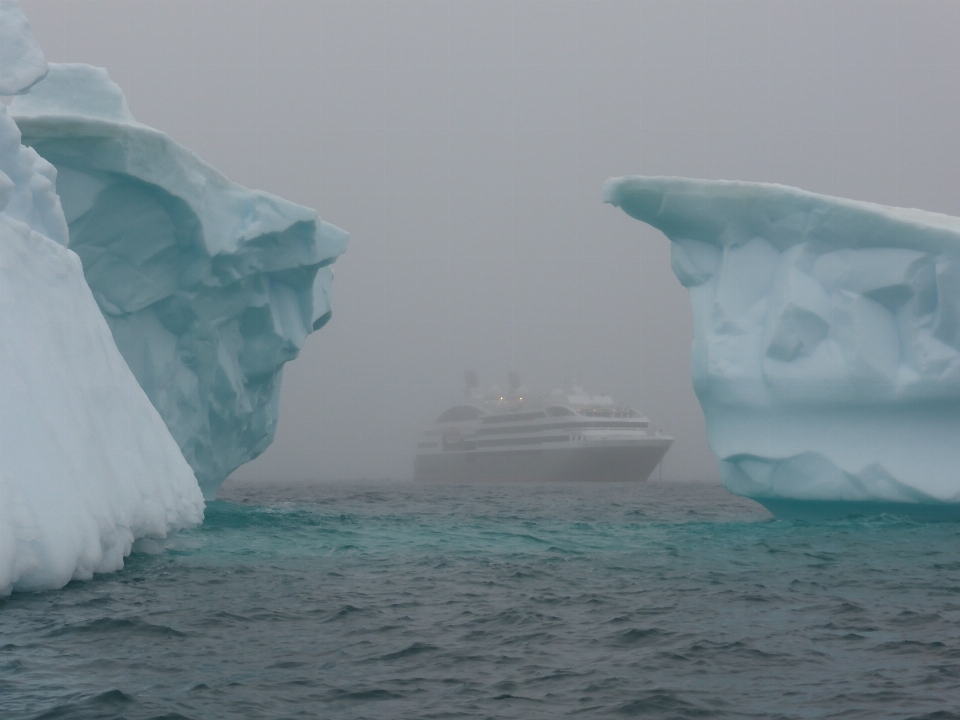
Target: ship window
[
  {"x": 514, "y": 417},
  {"x": 597, "y": 412},
  {"x": 559, "y": 411},
  {"x": 460, "y": 413}
]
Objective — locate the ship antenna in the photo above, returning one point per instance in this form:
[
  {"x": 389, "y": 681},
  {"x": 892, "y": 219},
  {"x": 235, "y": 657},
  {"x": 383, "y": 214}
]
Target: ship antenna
[
  {"x": 472, "y": 382},
  {"x": 514, "y": 378}
]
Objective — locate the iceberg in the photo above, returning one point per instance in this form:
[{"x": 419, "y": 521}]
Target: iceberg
[
  {"x": 208, "y": 288},
  {"x": 87, "y": 464},
  {"x": 826, "y": 351}
]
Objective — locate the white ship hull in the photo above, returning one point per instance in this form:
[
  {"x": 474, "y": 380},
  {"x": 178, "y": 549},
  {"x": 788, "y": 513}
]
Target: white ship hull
[{"x": 631, "y": 461}]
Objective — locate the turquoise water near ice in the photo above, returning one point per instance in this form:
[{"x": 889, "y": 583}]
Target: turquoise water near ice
[{"x": 500, "y": 601}]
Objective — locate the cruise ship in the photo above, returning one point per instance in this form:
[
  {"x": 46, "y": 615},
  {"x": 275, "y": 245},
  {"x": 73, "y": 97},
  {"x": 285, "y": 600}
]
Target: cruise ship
[{"x": 566, "y": 435}]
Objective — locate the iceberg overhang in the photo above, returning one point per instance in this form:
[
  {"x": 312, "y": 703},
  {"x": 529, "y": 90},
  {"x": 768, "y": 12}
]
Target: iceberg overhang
[
  {"x": 208, "y": 288},
  {"x": 826, "y": 352}
]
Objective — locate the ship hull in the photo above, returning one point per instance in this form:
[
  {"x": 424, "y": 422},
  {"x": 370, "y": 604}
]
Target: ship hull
[{"x": 633, "y": 462}]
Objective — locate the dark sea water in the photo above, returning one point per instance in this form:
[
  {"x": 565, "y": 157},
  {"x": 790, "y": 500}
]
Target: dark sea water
[{"x": 500, "y": 601}]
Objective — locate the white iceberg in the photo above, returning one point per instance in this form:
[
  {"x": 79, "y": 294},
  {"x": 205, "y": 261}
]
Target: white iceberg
[
  {"x": 209, "y": 288},
  {"x": 87, "y": 465},
  {"x": 826, "y": 352}
]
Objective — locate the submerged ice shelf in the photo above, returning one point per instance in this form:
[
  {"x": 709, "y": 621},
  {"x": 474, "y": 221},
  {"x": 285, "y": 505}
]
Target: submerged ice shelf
[
  {"x": 826, "y": 352},
  {"x": 209, "y": 288},
  {"x": 87, "y": 465}
]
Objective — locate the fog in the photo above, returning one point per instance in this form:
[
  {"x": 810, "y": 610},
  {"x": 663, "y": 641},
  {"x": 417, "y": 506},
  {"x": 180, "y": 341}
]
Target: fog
[{"x": 464, "y": 146}]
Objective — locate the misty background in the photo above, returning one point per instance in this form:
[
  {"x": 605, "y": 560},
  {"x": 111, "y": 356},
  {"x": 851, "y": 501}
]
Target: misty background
[{"x": 464, "y": 146}]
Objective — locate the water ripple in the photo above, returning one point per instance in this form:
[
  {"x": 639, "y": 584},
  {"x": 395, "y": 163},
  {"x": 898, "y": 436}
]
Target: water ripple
[{"x": 368, "y": 601}]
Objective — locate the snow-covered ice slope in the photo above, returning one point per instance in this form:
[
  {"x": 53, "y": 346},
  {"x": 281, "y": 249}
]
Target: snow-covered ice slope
[
  {"x": 87, "y": 465},
  {"x": 209, "y": 288},
  {"x": 826, "y": 352}
]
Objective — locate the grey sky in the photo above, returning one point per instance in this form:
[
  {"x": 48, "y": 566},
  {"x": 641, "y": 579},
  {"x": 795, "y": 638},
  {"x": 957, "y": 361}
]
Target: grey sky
[{"x": 464, "y": 146}]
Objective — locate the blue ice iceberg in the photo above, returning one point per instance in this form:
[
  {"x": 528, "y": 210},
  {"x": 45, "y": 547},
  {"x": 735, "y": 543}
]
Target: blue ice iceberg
[
  {"x": 87, "y": 465},
  {"x": 209, "y": 288},
  {"x": 826, "y": 352}
]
